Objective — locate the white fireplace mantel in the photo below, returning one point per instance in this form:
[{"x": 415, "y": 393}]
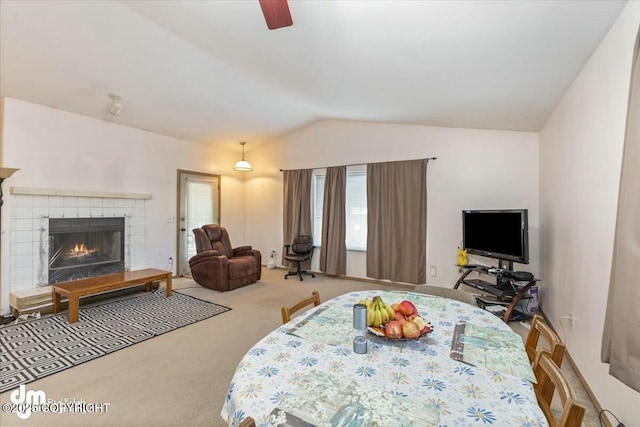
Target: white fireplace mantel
[
  {"x": 32, "y": 209},
  {"x": 75, "y": 193}
]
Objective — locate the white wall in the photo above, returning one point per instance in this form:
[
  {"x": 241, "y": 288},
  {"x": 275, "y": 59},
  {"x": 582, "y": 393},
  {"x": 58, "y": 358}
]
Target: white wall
[
  {"x": 61, "y": 150},
  {"x": 475, "y": 169},
  {"x": 580, "y": 158}
]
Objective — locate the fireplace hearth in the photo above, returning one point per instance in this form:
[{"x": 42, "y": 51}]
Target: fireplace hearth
[{"x": 85, "y": 247}]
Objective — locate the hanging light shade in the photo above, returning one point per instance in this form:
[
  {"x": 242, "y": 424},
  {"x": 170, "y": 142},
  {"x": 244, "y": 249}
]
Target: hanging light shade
[{"x": 243, "y": 165}]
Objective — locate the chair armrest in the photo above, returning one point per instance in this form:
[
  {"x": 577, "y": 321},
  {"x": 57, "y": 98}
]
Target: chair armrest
[
  {"x": 238, "y": 251},
  {"x": 203, "y": 256},
  {"x": 211, "y": 252},
  {"x": 286, "y": 249}
]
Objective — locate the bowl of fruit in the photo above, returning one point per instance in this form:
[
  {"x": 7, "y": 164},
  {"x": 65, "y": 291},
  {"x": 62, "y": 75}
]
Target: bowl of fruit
[{"x": 398, "y": 321}]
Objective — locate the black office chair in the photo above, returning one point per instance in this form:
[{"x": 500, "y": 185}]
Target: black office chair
[{"x": 300, "y": 251}]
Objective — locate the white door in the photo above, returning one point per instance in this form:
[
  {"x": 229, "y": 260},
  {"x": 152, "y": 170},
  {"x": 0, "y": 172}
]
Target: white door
[{"x": 199, "y": 205}]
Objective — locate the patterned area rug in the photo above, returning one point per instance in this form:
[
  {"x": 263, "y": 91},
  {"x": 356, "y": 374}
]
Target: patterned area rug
[{"x": 38, "y": 348}]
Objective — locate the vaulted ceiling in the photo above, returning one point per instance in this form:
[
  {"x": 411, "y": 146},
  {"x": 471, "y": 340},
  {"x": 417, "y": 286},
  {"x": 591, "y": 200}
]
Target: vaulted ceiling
[{"x": 211, "y": 71}]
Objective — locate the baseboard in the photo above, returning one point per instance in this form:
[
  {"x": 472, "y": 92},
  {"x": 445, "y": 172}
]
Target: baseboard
[{"x": 358, "y": 279}]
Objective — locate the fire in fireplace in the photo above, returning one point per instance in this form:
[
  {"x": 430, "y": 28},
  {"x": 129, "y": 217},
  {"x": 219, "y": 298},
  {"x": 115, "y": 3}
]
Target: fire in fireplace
[{"x": 85, "y": 247}]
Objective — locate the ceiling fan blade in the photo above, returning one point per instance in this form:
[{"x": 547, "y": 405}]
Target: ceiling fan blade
[{"x": 276, "y": 13}]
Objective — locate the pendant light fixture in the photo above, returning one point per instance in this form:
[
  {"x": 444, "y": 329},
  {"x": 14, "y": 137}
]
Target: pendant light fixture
[{"x": 243, "y": 165}]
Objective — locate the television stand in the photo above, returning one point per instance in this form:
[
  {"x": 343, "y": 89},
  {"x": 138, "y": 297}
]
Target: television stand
[{"x": 504, "y": 289}]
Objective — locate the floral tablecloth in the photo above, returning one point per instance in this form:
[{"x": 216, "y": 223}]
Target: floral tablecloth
[{"x": 418, "y": 373}]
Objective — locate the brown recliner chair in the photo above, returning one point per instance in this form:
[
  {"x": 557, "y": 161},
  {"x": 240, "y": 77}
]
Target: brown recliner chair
[{"x": 219, "y": 266}]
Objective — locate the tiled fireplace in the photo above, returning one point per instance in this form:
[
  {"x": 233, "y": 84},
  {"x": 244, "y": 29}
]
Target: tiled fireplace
[
  {"x": 85, "y": 247},
  {"x": 63, "y": 231}
]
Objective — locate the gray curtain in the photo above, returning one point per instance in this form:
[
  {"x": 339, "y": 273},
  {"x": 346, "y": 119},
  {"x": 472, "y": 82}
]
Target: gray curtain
[
  {"x": 333, "y": 253},
  {"x": 297, "y": 207},
  {"x": 621, "y": 337},
  {"x": 397, "y": 221}
]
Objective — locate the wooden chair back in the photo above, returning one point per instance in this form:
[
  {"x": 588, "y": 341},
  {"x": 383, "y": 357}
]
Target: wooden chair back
[
  {"x": 288, "y": 311},
  {"x": 539, "y": 327},
  {"x": 247, "y": 422},
  {"x": 549, "y": 380}
]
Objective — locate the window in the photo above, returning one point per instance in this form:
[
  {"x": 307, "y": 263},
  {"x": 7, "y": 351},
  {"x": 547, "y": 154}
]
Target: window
[
  {"x": 356, "y": 205},
  {"x": 317, "y": 199},
  {"x": 356, "y": 209}
]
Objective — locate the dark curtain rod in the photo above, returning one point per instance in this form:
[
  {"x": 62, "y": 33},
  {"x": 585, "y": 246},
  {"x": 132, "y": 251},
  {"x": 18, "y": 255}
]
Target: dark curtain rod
[{"x": 360, "y": 164}]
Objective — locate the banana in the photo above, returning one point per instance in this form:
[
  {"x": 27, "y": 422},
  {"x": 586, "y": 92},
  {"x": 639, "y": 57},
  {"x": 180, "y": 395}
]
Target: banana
[
  {"x": 378, "y": 312},
  {"x": 392, "y": 314},
  {"x": 384, "y": 316},
  {"x": 387, "y": 312},
  {"x": 376, "y": 318},
  {"x": 366, "y": 302},
  {"x": 376, "y": 307},
  {"x": 384, "y": 313},
  {"x": 381, "y": 312}
]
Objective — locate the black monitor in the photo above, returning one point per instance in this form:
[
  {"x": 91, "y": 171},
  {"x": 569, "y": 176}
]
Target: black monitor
[{"x": 501, "y": 234}]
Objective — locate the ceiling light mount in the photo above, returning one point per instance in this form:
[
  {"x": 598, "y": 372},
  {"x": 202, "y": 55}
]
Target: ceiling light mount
[
  {"x": 116, "y": 105},
  {"x": 243, "y": 165}
]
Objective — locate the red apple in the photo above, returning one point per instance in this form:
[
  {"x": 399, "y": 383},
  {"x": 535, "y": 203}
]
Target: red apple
[
  {"x": 407, "y": 308},
  {"x": 399, "y": 316},
  {"x": 393, "y": 330},
  {"x": 410, "y": 330},
  {"x": 402, "y": 320},
  {"x": 395, "y": 306}
]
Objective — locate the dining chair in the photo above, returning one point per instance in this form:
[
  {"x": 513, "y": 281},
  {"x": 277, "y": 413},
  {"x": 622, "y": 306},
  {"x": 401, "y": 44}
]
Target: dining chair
[
  {"x": 539, "y": 327},
  {"x": 288, "y": 311},
  {"x": 549, "y": 380},
  {"x": 456, "y": 294},
  {"x": 247, "y": 422}
]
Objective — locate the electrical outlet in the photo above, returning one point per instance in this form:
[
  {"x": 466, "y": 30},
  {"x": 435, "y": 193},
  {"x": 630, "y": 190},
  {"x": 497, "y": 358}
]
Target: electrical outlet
[{"x": 433, "y": 271}]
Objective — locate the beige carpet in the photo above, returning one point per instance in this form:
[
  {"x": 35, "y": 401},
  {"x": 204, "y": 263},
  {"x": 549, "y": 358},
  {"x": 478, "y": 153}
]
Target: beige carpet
[{"x": 181, "y": 378}]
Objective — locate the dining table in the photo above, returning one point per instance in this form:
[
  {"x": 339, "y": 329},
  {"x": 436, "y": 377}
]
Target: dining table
[{"x": 471, "y": 369}]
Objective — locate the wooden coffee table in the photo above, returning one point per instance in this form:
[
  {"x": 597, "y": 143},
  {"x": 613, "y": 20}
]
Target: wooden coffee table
[{"x": 79, "y": 288}]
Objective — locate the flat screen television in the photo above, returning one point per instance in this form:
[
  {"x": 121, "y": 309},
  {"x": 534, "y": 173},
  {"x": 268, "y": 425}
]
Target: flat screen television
[{"x": 501, "y": 234}]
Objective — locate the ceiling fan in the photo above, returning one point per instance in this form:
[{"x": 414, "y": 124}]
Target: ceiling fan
[{"x": 276, "y": 13}]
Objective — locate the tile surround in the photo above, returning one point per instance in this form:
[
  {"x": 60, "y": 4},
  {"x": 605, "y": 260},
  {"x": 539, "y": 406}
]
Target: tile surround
[{"x": 29, "y": 235}]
